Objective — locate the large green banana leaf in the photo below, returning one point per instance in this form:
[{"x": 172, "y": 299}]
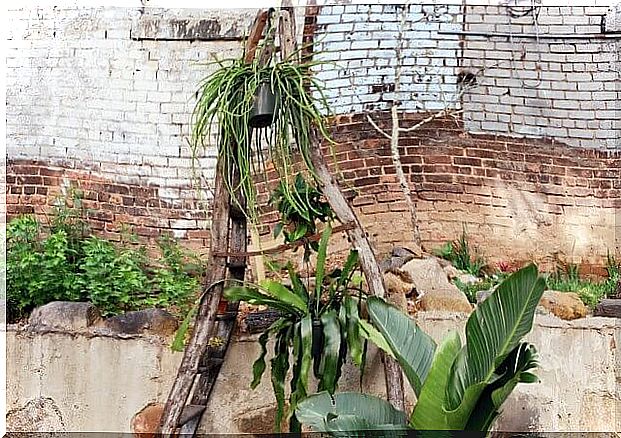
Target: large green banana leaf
[
  {"x": 513, "y": 370},
  {"x": 428, "y": 413},
  {"x": 348, "y": 411},
  {"x": 493, "y": 331},
  {"x": 412, "y": 347}
]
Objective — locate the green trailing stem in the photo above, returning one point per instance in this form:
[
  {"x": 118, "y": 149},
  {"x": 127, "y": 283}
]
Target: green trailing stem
[{"x": 222, "y": 112}]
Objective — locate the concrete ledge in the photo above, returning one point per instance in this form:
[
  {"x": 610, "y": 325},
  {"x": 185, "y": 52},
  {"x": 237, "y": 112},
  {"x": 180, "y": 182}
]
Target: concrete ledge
[
  {"x": 99, "y": 380},
  {"x": 193, "y": 25}
]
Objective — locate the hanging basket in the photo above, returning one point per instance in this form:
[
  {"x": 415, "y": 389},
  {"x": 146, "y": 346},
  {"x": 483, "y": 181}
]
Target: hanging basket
[{"x": 262, "y": 113}]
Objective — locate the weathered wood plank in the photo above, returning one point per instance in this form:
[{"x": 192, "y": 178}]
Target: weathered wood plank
[{"x": 204, "y": 324}]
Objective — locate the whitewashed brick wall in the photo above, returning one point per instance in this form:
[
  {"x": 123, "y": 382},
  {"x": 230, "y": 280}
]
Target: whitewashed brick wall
[
  {"x": 565, "y": 88},
  {"x": 82, "y": 92},
  {"x": 361, "y": 41},
  {"x": 545, "y": 77}
]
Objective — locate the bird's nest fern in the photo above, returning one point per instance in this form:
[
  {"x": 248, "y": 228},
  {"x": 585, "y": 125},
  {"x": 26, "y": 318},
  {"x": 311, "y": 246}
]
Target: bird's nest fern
[{"x": 222, "y": 113}]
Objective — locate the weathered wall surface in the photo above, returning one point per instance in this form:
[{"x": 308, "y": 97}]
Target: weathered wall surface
[
  {"x": 101, "y": 99},
  {"x": 519, "y": 199},
  {"x": 550, "y": 74},
  {"x": 532, "y": 167},
  {"x": 361, "y": 43},
  {"x": 98, "y": 383}
]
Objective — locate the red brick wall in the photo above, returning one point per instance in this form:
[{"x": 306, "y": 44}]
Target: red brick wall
[
  {"x": 519, "y": 199},
  {"x": 34, "y": 186}
]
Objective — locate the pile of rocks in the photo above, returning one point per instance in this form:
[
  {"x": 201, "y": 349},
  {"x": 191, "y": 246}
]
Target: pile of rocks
[{"x": 425, "y": 282}]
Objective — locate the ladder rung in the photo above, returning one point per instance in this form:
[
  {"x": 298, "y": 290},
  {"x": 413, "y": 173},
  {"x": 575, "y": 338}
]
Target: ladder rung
[
  {"x": 189, "y": 412},
  {"x": 228, "y": 316},
  {"x": 237, "y": 263},
  {"x": 212, "y": 361}
]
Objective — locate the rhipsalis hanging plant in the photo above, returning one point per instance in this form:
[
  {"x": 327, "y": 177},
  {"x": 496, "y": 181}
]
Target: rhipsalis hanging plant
[{"x": 224, "y": 110}]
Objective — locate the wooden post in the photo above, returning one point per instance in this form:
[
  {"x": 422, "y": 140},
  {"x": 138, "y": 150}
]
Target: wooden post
[{"x": 368, "y": 262}]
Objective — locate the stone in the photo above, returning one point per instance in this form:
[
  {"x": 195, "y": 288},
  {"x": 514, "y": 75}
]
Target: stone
[
  {"x": 451, "y": 272},
  {"x": 65, "y": 315},
  {"x": 398, "y": 287},
  {"x": 467, "y": 278},
  {"x": 610, "y": 307},
  {"x": 565, "y": 305},
  {"x": 258, "y": 421},
  {"x": 482, "y": 295},
  {"x": 435, "y": 290},
  {"x": 37, "y": 415},
  {"x": 146, "y": 422},
  {"x": 399, "y": 256},
  {"x": 148, "y": 321}
]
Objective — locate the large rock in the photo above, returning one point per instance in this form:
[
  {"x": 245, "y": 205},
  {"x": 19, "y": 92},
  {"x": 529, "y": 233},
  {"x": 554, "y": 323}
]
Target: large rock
[
  {"x": 146, "y": 422},
  {"x": 435, "y": 290},
  {"x": 565, "y": 305},
  {"x": 608, "y": 307},
  {"x": 65, "y": 315},
  {"x": 149, "y": 321},
  {"x": 399, "y": 287},
  {"x": 399, "y": 257},
  {"x": 37, "y": 415}
]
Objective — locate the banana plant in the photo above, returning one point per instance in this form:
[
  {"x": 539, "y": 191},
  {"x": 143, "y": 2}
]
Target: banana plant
[
  {"x": 458, "y": 387},
  {"x": 318, "y": 327}
]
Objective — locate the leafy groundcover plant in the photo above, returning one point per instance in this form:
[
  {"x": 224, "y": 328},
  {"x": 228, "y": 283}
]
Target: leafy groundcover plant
[
  {"x": 458, "y": 387},
  {"x": 318, "y": 327},
  {"x": 64, "y": 262}
]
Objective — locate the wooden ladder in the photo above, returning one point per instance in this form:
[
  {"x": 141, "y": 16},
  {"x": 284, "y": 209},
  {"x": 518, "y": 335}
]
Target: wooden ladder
[
  {"x": 215, "y": 320},
  {"x": 216, "y": 317}
]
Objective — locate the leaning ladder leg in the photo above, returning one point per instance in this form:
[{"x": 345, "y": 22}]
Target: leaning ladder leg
[{"x": 195, "y": 360}]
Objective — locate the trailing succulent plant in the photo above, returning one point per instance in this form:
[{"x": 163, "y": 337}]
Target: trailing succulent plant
[{"x": 225, "y": 107}]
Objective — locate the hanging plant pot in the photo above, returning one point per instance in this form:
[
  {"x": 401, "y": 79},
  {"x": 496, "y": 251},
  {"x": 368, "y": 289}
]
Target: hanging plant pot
[{"x": 262, "y": 113}]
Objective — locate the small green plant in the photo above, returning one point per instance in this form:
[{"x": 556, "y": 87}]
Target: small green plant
[
  {"x": 63, "y": 262},
  {"x": 39, "y": 269},
  {"x": 318, "y": 327},
  {"x": 461, "y": 255},
  {"x": 488, "y": 282},
  {"x": 300, "y": 208},
  {"x": 566, "y": 278},
  {"x": 458, "y": 387}
]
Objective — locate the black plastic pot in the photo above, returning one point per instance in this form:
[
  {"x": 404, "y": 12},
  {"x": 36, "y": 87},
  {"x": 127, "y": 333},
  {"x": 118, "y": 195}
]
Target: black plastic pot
[{"x": 262, "y": 113}]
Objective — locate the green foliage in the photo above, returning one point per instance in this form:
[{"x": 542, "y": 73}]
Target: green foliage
[
  {"x": 461, "y": 255},
  {"x": 225, "y": 100},
  {"x": 458, "y": 387},
  {"x": 567, "y": 279},
  {"x": 299, "y": 220},
  {"x": 488, "y": 282},
  {"x": 62, "y": 262},
  {"x": 318, "y": 328}
]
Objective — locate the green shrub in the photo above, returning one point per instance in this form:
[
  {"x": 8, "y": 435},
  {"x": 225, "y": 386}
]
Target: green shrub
[
  {"x": 567, "y": 279},
  {"x": 62, "y": 262}
]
